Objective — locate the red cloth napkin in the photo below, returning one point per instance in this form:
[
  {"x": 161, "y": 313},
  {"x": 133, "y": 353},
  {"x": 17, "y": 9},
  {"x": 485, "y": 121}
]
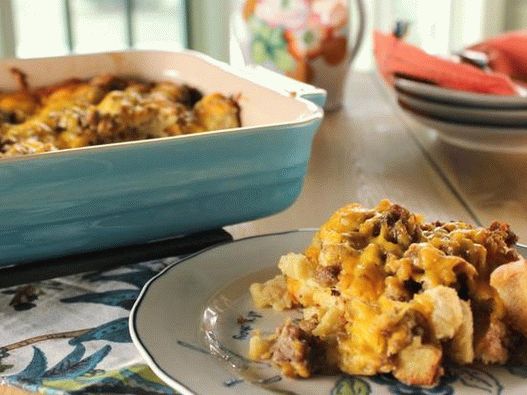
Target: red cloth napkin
[
  {"x": 507, "y": 54},
  {"x": 397, "y": 58}
]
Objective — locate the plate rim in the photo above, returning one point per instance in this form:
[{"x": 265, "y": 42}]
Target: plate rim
[
  {"x": 412, "y": 100},
  {"x": 469, "y": 127},
  {"x": 149, "y": 359},
  {"x": 467, "y": 141},
  {"x": 464, "y": 98}
]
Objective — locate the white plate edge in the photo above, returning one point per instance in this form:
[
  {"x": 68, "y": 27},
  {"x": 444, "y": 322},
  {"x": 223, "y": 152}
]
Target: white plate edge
[
  {"x": 133, "y": 312},
  {"x": 462, "y": 98}
]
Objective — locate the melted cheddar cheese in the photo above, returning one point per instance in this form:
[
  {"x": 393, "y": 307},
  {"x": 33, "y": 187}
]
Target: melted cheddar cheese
[
  {"x": 106, "y": 109},
  {"x": 384, "y": 292}
]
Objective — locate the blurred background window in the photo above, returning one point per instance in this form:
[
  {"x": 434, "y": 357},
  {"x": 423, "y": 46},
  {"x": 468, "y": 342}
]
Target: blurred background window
[
  {"x": 58, "y": 27},
  {"x": 442, "y": 27},
  {"x": 438, "y": 26},
  {"x": 32, "y": 28}
]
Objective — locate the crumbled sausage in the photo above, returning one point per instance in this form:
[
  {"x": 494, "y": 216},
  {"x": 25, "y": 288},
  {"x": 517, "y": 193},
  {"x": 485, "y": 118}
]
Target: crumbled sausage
[
  {"x": 296, "y": 351},
  {"x": 327, "y": 276}
]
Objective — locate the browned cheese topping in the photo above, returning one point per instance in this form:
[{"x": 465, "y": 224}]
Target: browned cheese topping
[{"x": 106, "y": 109}]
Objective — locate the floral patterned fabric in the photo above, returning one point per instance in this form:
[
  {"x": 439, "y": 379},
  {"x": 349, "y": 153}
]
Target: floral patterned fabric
[{"x": 70, "y": 335}]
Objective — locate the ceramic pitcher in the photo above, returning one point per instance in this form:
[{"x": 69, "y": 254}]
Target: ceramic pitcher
[{"x": 308, "y": 40}]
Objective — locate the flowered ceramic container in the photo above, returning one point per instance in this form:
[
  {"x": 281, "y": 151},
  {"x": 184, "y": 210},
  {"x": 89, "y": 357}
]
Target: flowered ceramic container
[{"x": 304, "y": 39}]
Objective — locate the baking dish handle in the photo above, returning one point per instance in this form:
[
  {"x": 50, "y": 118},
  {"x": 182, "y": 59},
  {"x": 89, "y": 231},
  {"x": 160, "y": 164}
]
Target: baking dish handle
[{"x": 285, "y": 85}]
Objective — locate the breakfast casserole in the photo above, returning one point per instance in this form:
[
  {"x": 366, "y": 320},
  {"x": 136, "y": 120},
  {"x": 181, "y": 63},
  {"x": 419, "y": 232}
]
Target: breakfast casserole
[
  {"x": 106, "y": 109},
  {"x": 381, "y": 291}
]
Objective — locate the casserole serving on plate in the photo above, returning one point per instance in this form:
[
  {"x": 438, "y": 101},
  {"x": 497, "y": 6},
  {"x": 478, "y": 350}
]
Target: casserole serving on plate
[{"x": 85, "y": 199}]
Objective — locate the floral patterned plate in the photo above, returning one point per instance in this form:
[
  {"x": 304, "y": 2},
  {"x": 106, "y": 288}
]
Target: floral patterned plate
[{"x": 192, "y": 324}]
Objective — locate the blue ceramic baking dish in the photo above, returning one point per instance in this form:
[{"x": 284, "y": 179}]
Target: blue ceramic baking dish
[{"x": 93, "y": 198}]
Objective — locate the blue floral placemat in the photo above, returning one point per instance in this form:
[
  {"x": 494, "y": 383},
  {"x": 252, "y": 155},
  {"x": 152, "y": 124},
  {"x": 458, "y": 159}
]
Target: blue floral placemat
[{"x": 70, "y": 335}]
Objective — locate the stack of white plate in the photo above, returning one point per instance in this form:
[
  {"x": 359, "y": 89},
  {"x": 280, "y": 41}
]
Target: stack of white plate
[{"x": 470, "y": 120}]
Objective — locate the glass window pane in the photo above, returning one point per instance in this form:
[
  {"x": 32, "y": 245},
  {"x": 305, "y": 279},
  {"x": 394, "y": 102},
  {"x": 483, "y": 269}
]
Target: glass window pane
[
  {"x": 159, "y": 24},
  {"x": 39, "y": 28},
  {"x": 98, "y": 25},
  {"x": 429, "y": 21}
]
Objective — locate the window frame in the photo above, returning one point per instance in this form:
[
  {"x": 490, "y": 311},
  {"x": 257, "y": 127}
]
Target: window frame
[
  {"x": 196, "y": 12},
  {"x": 199, "y": 14},
  {"x": 214, "y": 15},
  {"x": 7, "y": 30}
]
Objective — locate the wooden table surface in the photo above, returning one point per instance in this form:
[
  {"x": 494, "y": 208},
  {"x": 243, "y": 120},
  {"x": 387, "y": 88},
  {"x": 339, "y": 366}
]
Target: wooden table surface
[{"x": 369, "y": 150}]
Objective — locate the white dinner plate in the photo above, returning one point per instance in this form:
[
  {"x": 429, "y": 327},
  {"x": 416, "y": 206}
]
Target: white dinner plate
[
  {"x": 474, "y": 137},
  {"x": 456, "y": 113},
  {"x": 192, "y": 324},
  {"x": 451, "y": 96}
]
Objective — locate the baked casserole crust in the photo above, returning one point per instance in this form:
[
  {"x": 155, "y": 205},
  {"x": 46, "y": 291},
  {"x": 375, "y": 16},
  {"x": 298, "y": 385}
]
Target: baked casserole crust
[
  {"x": 106, "y": 109},
  {"x": 381, "y": 291}
]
